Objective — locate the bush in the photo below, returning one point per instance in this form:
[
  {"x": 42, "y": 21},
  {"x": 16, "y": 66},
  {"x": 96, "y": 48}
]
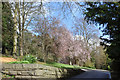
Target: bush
[
  {"x": 89, "y": 64},
  {"x": 8, "y": 76},
  {"x": 30, "y": 58},
  {"x": 109, "y": 67}
]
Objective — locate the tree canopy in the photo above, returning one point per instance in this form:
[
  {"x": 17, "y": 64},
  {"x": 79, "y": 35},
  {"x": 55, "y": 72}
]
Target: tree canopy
[
  {"x": 7, "y": 29},
  {"x": 106, "y": 14},
  {"x": 36, "y": 29}
]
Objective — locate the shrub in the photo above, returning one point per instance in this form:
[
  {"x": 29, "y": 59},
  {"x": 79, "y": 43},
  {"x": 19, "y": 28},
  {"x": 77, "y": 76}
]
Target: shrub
[
  {"x": 8, "y": 76},
  {"x": 109, "y": 67},
  {"x": 89, "y": 64},
  {"x": 30, "y": 58}
]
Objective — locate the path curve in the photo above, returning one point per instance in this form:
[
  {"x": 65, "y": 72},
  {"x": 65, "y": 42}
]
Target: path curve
[{"x": 93, "y": 74}]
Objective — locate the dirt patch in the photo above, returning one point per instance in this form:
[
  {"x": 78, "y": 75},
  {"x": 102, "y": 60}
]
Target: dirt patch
[{"x": 7, "y": 59}]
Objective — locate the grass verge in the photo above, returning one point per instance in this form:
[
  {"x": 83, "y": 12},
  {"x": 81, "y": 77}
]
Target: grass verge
[{"x": 60, "y": 65}]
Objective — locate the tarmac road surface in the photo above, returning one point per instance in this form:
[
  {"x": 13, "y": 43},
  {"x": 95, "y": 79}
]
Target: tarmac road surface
[{"x": 93, "y": 75}]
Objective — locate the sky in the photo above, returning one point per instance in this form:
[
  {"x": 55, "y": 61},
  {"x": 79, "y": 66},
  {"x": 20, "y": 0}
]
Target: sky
[
  {"x": 69, "y": 20},
  {"x": 65, "y": 15}
]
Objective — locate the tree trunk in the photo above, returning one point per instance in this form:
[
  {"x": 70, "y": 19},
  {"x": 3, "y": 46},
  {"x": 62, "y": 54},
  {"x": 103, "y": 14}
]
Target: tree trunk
[
  {"x": 76, "y": 61},
  {"x": 22, "y": 33},
  {"x": 46, "y": 56},
  {"x": 20, "y": 30},
  {"x": 70, "y": 62},
  {"x": 21, "y": 46},
  {"x": 6, "y": 52},
  {"x": 15, "y": 32}
]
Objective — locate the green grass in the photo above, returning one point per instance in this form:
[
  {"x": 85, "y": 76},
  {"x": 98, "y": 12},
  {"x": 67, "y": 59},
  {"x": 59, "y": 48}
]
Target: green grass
[
  {"x": 60, "y": 65},
  {"x": 19, "y": 62},
  {"x": 54, "y": 64}
]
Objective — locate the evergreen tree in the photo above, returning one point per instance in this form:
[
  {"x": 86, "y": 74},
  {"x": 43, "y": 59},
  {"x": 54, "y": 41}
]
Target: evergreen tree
[
  {"x": 7, "y": 29},
  {"x": 108, "y": 15}
]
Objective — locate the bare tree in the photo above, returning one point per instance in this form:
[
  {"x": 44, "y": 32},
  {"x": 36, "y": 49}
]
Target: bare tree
[
  {"x": 43, "y": 29},
  {"x": 23, "y": 13},
  {"x": 15, "y": 32}
]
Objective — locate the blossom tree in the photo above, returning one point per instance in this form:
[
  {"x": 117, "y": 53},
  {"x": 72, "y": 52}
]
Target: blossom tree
[
  {"x": 56, "y": 39},
  {"x": 68, "y": 48}
]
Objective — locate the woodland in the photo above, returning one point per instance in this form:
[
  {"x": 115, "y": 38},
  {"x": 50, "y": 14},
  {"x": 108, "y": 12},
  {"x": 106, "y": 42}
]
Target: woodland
[{"x": 76, "y": 33}]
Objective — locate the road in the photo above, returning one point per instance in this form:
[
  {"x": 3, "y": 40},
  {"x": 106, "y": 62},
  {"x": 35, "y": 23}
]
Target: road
[{"x": 93, "y": 75}]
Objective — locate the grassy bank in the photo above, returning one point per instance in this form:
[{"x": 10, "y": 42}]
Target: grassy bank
[{"x": 60, "y": 65}]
